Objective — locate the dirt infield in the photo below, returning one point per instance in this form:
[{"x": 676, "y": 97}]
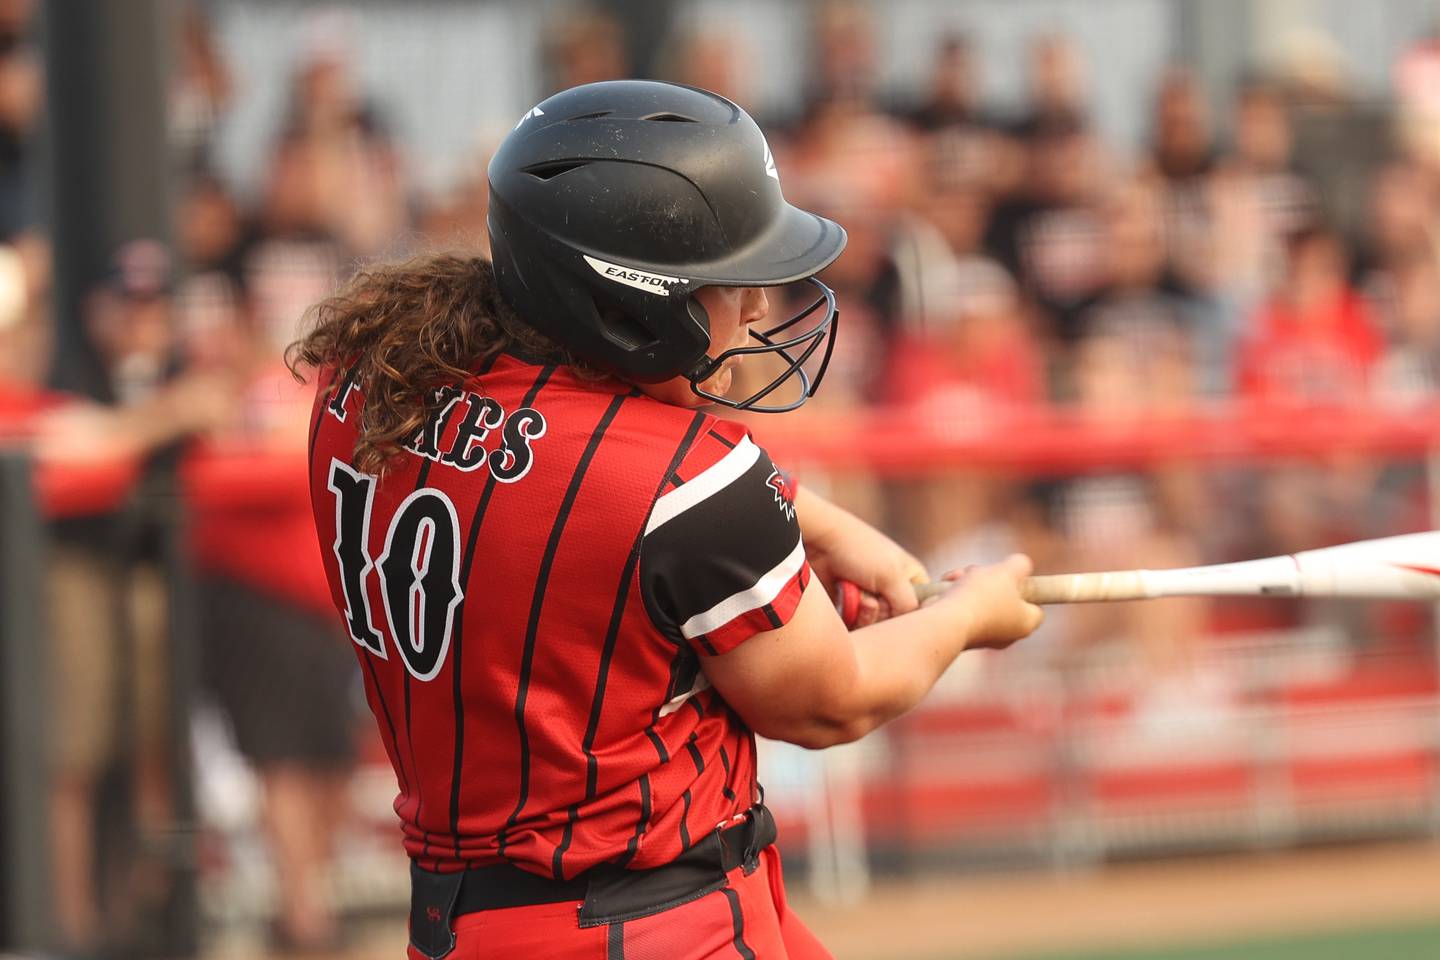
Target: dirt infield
[{"x": 1137, "y": 905}]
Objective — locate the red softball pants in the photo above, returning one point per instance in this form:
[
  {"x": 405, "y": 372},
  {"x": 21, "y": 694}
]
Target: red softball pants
[{"x": 748, "y": 919}]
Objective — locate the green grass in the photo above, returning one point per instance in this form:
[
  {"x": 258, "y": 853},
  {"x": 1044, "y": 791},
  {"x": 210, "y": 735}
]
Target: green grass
[{"x": 1391, "y": 943}]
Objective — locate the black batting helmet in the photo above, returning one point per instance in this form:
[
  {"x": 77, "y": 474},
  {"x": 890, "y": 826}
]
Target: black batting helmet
[{"x": 612, "y": 203}]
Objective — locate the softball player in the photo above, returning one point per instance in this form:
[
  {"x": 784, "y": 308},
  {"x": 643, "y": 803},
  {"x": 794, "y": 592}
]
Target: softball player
[{"x": 575, "y": 592}]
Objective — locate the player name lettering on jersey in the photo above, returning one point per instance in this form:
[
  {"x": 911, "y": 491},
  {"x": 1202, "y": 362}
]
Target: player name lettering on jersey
[{"x": 456, "y": 435}]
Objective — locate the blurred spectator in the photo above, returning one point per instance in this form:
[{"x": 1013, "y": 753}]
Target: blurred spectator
[
  {"x": 1139, "y": 309},
  {"x": 1262, "y": 129},
  {"x": 848, "y": 153},
  {"x": 1399, "y": 227},
  {"x": 584, "y": 45},
  {"x": 272, "y": 656},
  {"x": 1058, "y": 88},
  {"x": 843, "y": 61},
  {"x": 1048, "y": 234},
  {"x": 965, "y": 145},
  {"x": 965, "y": 357},
  {"x": 972, "y": 354},
  {"x": 283, "y": 276},
  {"x": 211, "y": 228},
  {"x": 107, "y": 603},
  {"x": 952, "y": 95},
  {"x": 131, "y": 322},
  {"x": 713, "y": 60},
  {"x": 856, "y": 164},
  {"x": 1134, "y": 360},
  {"x": 1184, "y": 158},
  {"x": 214, "y": 240},
  {"x": 1316, "y": 340},
  {"x": 1409, "y": 371},
  {"x": 1182, "y": 147},
  {"x": 956, "y": 213},
  {"x": 335, "y": 172},
  {"x": 200, "y": 88},
  {"x": 932, "y": 244},
  {"x": 1258, "y": 198}
]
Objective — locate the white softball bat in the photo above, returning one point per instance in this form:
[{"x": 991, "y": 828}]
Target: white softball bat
[{"x": 1390, "y": 568}]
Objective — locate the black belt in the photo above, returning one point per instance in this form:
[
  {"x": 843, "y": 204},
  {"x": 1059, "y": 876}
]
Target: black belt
[{"x": 609, "y": 894}]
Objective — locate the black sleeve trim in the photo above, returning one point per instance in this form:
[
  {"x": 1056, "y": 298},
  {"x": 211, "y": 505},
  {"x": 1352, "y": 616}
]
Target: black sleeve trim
[{"x": 718, "y": 548}]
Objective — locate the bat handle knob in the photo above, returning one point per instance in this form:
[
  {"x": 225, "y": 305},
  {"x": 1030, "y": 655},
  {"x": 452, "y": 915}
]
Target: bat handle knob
[
  {"x": 847, "y": 602},
  {"x": 848, "y": 596}
]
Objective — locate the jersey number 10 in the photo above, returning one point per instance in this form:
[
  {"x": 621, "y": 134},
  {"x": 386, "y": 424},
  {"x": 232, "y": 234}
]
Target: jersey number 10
[{"x": 419, "y": 570}]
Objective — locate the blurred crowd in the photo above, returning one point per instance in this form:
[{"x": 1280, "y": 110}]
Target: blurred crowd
[{"x": 996, "y": 262}]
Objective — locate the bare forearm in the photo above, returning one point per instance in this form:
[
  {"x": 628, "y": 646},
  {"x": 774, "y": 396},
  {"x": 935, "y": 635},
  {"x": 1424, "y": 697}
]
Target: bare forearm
[
  {"x": 815, "y": 684},
  {"x": 896, "y": 663},
  {"x": 845, "y": 684}
]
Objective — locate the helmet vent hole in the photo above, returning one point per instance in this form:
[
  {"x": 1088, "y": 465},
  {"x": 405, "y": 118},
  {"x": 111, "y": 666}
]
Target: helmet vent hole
[
  {"x": 549, "y": 171},
  {"x": 670, "y": 118},
  {"x": 623, "y": 329},
  {"x": 589, "y": 116}
]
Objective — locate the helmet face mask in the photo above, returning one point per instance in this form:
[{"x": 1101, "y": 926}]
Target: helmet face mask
[
  {"x": 796, "y": 349},
  {"x": 612, "y": 203}
]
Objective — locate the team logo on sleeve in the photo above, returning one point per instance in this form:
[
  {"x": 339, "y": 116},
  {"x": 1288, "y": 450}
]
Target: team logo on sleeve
[{"x": 784, "y": 492}]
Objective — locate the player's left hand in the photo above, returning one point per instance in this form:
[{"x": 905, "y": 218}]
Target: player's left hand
[{"x": 841, "y": 546}]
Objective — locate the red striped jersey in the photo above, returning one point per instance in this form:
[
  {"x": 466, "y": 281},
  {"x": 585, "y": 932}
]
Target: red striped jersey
[{"x": 531, "y": 589}]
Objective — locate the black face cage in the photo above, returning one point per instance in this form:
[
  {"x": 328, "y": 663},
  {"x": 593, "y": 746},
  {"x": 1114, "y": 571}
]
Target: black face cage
[{"x": 823, "y": 332}]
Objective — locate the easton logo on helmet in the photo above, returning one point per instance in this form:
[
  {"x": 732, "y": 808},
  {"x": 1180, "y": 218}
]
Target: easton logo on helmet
[{"x": 655, "y": 283}]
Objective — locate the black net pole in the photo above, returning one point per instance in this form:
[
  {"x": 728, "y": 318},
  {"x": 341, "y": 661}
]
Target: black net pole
[
  {"x": 73, "y": 144},
  {"x": 107, "y": 165},
  {"x": 108, "y": 171},
  {"x": 25, "y": 919}
]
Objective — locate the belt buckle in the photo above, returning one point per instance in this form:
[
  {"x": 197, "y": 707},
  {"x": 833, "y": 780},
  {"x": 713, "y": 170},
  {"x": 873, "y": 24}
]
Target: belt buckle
[{"x": 751, "y": 861}]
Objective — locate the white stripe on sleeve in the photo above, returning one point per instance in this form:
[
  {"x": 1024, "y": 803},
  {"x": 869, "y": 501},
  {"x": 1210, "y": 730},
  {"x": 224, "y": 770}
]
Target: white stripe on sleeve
[
  {"x": 766, "y": 589},
  {"x": 705, "y": 484}
]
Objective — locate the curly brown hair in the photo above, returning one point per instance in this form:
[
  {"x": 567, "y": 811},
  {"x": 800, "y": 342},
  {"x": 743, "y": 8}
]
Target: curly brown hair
[{"x": 401, "y": 331}]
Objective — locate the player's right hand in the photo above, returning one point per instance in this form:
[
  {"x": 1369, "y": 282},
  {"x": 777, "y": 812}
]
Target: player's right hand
[{"x": 996, "y": 613}]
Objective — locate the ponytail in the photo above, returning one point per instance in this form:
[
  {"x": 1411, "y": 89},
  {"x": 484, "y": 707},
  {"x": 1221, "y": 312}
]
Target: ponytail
[{"x": 401, "y": 331}]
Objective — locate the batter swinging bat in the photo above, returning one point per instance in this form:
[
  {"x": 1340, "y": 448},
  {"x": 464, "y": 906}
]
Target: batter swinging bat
[{"x": 1391, "y": 568}]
